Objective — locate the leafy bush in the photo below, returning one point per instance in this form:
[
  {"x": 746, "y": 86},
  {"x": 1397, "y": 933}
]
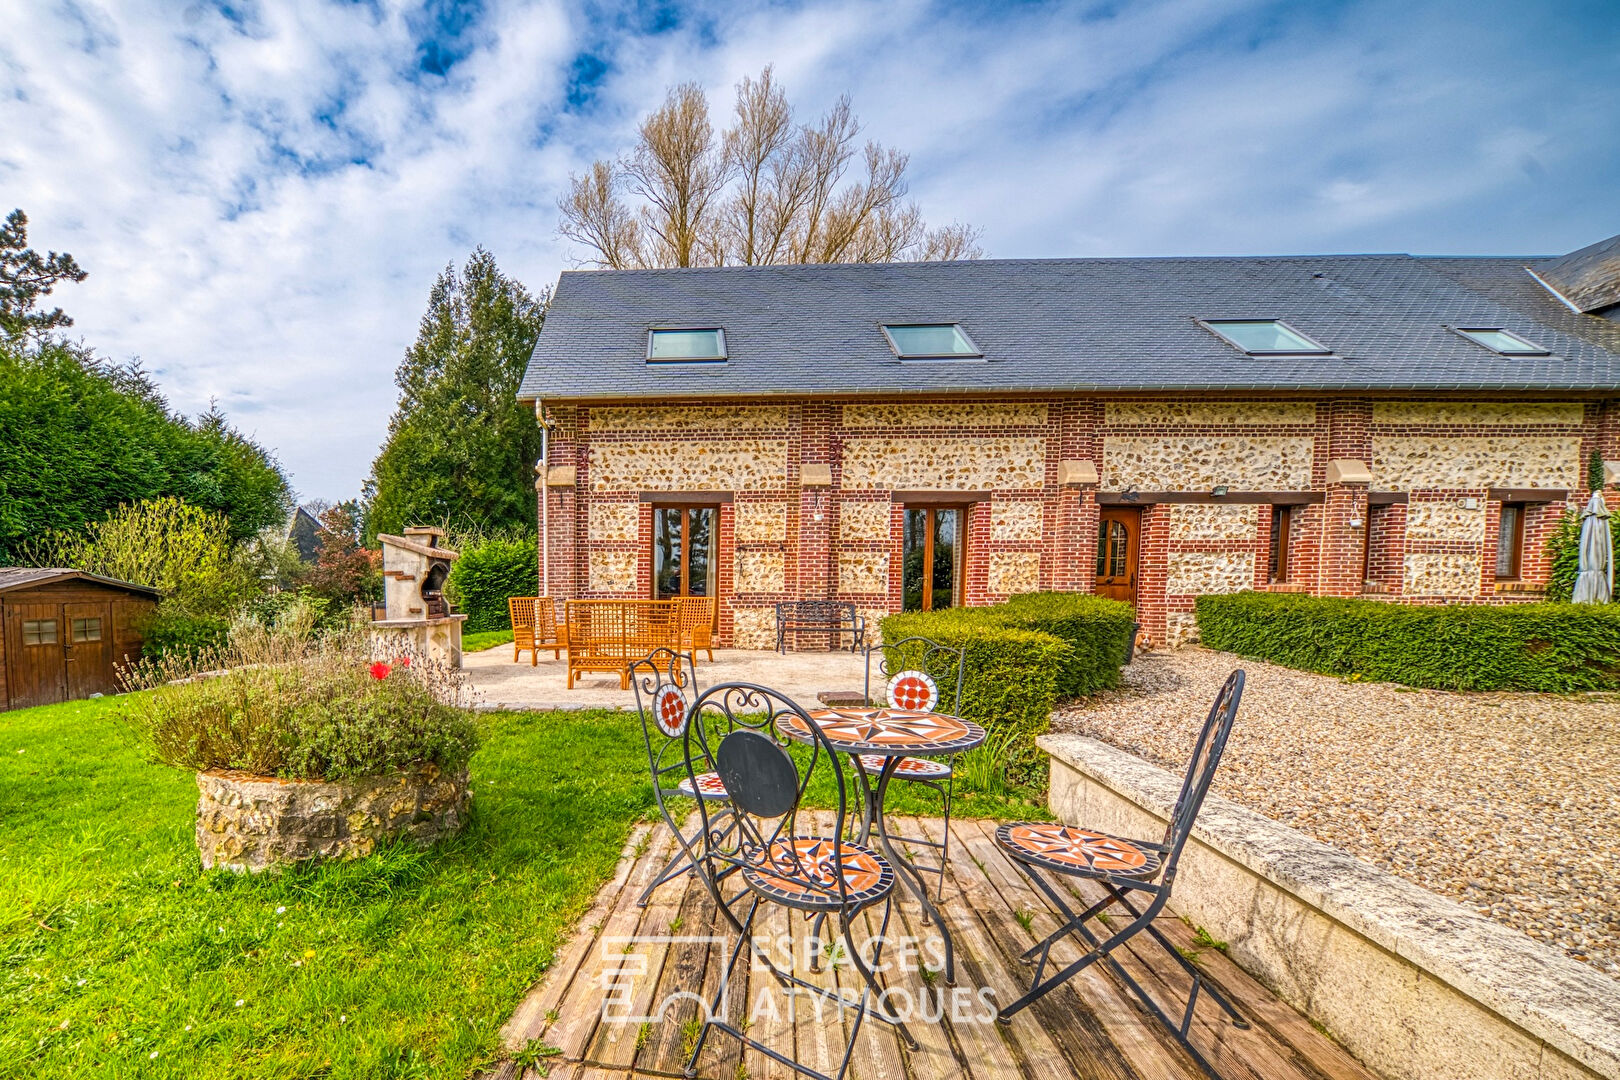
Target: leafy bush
[
  {"x": 1022, "y": 656},
  {"x": 489, "y": 572},
  {"x": 298, "y": 707},
  {"x": 170, "y": 634},
  {"x": 1556, "y": 648}
]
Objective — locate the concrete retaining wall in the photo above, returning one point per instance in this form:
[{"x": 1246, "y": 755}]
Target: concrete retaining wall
[{"x": 1417, "y": 987}]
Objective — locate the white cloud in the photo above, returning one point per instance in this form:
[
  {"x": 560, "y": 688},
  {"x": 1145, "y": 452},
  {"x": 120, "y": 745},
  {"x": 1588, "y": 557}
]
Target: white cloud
[{"x": 263, "y": 206}]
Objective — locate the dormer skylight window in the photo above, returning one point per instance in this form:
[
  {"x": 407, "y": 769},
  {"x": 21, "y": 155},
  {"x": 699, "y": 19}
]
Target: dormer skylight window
[
  {"x": 1502, "y": 342},
  {"x": 930, "y": 341},
  {"x": 686, "y": 346},
  {"x": 1266, "y": 337}
]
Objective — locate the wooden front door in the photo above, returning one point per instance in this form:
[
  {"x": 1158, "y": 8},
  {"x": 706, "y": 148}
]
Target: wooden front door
[
  {"x": 1118, "y": 532},
  {"x": 931, "y": 576},
  {"x": 87, "y": 651},
  {"x": 34, "y": 659},
  {"x": 685, "y": 546}
]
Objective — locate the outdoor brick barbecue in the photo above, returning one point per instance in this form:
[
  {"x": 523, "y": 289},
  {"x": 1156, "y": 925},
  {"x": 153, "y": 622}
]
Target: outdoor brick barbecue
[{"x": 416, "y": 615}]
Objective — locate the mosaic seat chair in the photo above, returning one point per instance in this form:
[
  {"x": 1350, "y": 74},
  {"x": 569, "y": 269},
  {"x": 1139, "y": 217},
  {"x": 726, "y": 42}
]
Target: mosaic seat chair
[
  {"x": 658, "y": 681},
  {"x": 1136, "y": 875},
  {"x": 913, "y": 670},
  {"x": 782, "y": 857}
]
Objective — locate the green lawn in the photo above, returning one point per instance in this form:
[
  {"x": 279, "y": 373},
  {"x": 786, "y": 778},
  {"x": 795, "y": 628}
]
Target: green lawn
[
  {"x": 485, "y": 639},
  {"x": 119, "y": 957},
  {"x": 115, "y": 947}
]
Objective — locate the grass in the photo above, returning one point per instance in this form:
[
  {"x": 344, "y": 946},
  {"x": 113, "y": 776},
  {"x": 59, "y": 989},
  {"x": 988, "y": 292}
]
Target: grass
[
  {"x": 119, "y": 957},
  {"x": 485, "y": 639}
]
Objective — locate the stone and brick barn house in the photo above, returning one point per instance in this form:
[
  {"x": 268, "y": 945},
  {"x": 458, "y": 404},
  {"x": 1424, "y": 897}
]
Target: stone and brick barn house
[{"x": 917, "y": 434}]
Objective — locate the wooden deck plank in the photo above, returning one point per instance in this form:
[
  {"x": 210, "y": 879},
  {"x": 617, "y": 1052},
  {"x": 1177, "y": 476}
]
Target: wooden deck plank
[
  {"x": 769, "y": 1004},
  {"x": 580, "y": 1011},
  {"x": 532, "y": 1016},
  {"x": 665, "y": 1049}
]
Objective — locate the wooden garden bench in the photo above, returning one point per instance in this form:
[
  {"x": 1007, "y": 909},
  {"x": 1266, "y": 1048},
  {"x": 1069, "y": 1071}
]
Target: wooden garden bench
[
  {"x": 609, "y": 635},
  {"x": 535, "y": 627},
  {"x": 824, "y": 616}
]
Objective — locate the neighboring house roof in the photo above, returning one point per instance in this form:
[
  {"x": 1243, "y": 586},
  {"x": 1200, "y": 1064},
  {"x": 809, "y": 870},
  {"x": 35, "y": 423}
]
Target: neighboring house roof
[
  {"x": 306, "y": 533},
  {"x": 1589, "y": 278},
  {"x": 27, "y": 577},
  {"x": 1067, "y": 325}
]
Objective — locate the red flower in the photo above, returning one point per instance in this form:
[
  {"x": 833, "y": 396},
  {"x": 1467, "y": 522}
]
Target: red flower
[
  {"x": 380, "y": 670},
  {"x": 403, "y": 661}
]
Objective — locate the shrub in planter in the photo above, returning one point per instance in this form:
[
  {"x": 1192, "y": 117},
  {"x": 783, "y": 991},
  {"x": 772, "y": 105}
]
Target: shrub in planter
[
  {"x": 489, "y": 572},
  {"x": 308, "y": 748},
  {"x": 1557, "y": 648}
]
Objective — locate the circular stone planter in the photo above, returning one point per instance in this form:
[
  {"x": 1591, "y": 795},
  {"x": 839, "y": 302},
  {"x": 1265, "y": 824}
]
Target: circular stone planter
[{"x": 251, "y": 823}]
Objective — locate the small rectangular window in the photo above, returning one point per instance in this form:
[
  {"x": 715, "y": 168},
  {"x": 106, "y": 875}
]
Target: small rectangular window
[
  {"x": 1266, "y": 337},
  {"x": 930, "y": 341},
  {"x": 1281, "y": 519},
  {"x": 1509, "y": 542},
  {"x": 1502, "y": 342},
  {"x": 686, "y": 346},
  {"x": 86, "y": 630},
  {"x": 39, "y": 632}
]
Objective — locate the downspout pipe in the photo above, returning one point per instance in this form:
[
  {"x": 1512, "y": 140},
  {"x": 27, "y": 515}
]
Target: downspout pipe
[{"x": 544, "y": 469}]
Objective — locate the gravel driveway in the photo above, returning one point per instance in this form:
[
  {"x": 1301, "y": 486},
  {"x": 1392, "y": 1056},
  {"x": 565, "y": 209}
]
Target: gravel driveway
[{"x": 1507, "y": 803}]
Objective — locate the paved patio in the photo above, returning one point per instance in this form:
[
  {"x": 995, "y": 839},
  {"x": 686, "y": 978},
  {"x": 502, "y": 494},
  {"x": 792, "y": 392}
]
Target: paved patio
[
  {"x": 501, "y": 684},
  {"x": 596, "y": 1006}
]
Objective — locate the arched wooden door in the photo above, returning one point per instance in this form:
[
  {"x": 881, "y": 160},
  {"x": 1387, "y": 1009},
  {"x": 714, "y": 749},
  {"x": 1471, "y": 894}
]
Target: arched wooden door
[{"x": 1119, "y": 530}]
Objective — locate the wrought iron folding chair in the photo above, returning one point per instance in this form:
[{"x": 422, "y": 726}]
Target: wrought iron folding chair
[
  {"x": 917, "y": 673},
  {"x": 658, "y": 680},
  {"x": 817, "y": 872},
  {"x": 1123, "y": 867}
]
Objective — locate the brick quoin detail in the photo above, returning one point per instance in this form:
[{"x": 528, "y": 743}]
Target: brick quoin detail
[{"x": 1000, "y": 456}]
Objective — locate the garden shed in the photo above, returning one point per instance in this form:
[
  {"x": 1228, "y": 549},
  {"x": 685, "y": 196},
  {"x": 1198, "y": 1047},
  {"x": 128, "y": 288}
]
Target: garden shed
[{"x": 62, "y": 633}]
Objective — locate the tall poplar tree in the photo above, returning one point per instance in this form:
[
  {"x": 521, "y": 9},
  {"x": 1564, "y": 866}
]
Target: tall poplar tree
[{"x": 460, "y": 449}]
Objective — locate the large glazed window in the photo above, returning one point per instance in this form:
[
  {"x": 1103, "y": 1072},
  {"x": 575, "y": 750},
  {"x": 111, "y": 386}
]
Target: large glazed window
[
  {"x": 932, "y": 575},
  {"x": 683, "y": 551}
]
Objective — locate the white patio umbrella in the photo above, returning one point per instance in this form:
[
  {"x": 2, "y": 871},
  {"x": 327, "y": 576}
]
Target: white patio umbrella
[{"x": 1594, "y": 584}]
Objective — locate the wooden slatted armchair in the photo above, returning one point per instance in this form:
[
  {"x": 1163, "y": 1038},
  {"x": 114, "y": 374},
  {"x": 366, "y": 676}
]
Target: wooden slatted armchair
[
  {"x": 534, "y": 627},
  {"x": 696, "y": 614}
]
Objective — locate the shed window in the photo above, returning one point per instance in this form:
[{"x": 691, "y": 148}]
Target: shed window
[
  {"x": 930, "y": 341},
  {"x": 1503, "y": 342},
  {"x": 686, "y": 346},
  {"x": 1509, "y": 542},
  {"x": 39, "y": 631},
  {"x": 86, "y": 630},
  {"x": 1266, "y": 337}
]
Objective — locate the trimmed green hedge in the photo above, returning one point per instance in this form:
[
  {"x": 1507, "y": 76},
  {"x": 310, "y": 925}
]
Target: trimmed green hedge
[
  {"x": 487, "y": 574},
  {"x": 1556, "y": 648},
  {"x": 1024, "y": 655}
]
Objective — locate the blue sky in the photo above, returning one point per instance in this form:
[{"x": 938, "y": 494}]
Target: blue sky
[{"x": 264, "y": 191}]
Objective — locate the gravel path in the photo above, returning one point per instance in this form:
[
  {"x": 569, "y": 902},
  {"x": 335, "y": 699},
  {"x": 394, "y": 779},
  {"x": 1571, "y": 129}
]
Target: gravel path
[{"x": 1507, "y": 803}]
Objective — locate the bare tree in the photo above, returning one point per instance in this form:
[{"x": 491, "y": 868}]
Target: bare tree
[{"x": 772, "y": 192}]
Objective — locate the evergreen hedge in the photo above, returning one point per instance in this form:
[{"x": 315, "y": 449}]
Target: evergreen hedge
[
  {"x": 1556, "y": 648},
  {"x": 1024, "y": 655},
  {"x": 487, "y": 574}
]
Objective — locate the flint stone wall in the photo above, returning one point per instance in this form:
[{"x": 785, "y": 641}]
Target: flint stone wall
[{"x": 250, "y": 823}]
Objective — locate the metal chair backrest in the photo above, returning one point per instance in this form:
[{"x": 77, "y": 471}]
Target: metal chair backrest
[
  {"x": 664, "y": 706},
  {"x": 732, "y": 731},
  {"x": 1206, "y": 756},
  {"x": 915, "y": 667}
]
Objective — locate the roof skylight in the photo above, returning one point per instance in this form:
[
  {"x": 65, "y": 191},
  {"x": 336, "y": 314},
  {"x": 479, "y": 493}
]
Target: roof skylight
[
  {"x": 1266, "y": 337},
  {"x": 685, "y": 346},
  {"x": 1504, "y": 342},
  {"x": 930, "y": 341}
]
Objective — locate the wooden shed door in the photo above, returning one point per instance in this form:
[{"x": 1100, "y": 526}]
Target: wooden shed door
[
  {"x": 34, "y": 637},
  {"x": 87, "y": 648}
]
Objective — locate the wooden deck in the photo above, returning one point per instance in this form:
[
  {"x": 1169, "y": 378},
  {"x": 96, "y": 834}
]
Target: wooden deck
[{"x": 1090, "y": 1028}]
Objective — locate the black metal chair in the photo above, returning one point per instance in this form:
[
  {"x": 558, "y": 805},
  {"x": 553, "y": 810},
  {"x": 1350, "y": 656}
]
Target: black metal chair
[
  {"x": 732, "y": 732},
  {"x": 1123, "y": 867},
  {"x": 658, "y": 679},
  {"x": 917, "y": 673}
]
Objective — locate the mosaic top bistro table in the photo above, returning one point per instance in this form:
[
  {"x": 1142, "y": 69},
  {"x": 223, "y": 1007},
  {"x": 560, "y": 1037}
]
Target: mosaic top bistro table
[{"x": 894, "y": 735}]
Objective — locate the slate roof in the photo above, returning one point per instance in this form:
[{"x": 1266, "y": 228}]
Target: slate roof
[
  {"x": 1589, "y": 278},
  {"x": 24, "y": 577},
  {"x": 1068, "y": 325}
]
